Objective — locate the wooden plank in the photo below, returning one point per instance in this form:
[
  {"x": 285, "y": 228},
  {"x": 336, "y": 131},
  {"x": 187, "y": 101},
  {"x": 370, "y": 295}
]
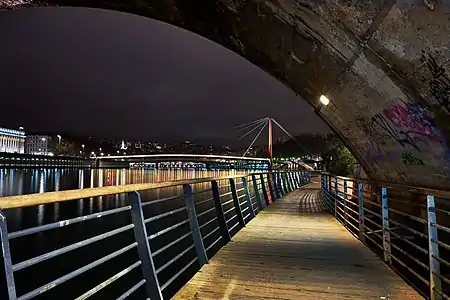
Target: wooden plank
[{"x": 295, "y": 250}]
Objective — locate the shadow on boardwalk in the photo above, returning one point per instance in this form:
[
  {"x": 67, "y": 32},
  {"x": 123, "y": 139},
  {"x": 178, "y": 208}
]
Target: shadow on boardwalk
[{"x": 296, "y": 250}]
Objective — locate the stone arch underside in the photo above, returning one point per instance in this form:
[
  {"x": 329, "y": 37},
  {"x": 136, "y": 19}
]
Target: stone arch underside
[{"x": 385, "y": 65}]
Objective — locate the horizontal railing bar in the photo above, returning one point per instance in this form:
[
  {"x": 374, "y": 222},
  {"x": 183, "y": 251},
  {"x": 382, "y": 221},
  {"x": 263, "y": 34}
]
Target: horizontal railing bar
[
  {"x": 372, "y": 240},
  {"x": 444, "y": 245},
  {"x": 231, "y": 209},
  {"x": 207, "y": 223},
  {"x": 108, "y": 281},
  {"x": 245, "y": 209},
  {"x": 226, "y": 194},
  {"x": 242, "y": 203},
  {"x": 159, "y": 233},
  {"x": 204, "y": 201},
  {"x": 372, "y": 222},
  {"x": 178, "y": 274},
  {"x": 441, "y": 293},
  {"x": 213, "y": 243},
  {"x": 32, "y": 261},
  {"x": 75, "y": 273},
  {"x": 441, "y": 260},
  {"x": 239, "y": 190},
  {"x": 162, "y": 249},
  {"x": 352, "y": 203},
  {"x": 440, "y": 210},
  {"x": 409, "y": 255},
  {"x": 409, "y": 229},
  {"x": 228, "y": 202},
  {"x": 224, "y": 186},
  {"x": 413, "y": 189},
  {"x": 354, "y": 226},
  {"x": 211, "y": 233},
  {"x": 234, "y": 226},
  {"x": 61, "y": 196},
  {"x": 202, "y": 191},
  {"x": 132, "y": 290},
  {"x": 443, "y": 278},
  {"x": 248, "y": 215},
  {"x": 64, "y": 223},
  {"x": 144, "y": 204},
  {"x": 171, "y": 261},
  {"x": 440, "y": 227},
  {"x": 372, "y": 212},
  {"x": 230, "y": 219},
  {"x": 371, "y": 202},
  {"x": 205, "y": 212},
  {"x": 169, "y": 213},
  {"x": 409, "y": 269},
  {"x": 419, "y": 220}
]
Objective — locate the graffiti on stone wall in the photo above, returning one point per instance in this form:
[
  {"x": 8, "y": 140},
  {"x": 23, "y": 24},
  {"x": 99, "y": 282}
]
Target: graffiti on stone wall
[
  {"x": 410, "y": 126},
  {"x": 438, "y": 80},
  {"x": 374, "y": 153},
  {"x": 409, "y": 159}
]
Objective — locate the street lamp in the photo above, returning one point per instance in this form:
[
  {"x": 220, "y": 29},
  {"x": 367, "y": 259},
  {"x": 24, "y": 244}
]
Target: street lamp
[{"x": 324, "y": 100}]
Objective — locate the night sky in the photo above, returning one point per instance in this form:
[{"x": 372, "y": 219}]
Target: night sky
[{"x": 111, "y": 74}]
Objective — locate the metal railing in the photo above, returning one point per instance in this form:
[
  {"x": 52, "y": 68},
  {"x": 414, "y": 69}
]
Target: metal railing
[
  {"x": 168, "y": 236},
  {"x": 407, "y": 227}
]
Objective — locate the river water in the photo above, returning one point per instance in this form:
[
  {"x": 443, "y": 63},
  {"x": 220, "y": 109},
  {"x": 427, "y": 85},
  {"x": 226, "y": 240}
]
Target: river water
[{"x": 26, "y": 181}]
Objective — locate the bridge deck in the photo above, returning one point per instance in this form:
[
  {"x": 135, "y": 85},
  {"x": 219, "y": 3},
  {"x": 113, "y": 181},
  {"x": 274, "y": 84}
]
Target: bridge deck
[{"x": 295, "y": 250}]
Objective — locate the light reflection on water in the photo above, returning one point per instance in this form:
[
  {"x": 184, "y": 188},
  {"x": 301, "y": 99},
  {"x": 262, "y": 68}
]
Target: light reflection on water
[{"x": 28, "y": 181}]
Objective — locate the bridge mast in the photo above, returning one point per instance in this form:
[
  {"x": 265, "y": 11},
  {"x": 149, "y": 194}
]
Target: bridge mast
[{"x": 269, "y": 146}]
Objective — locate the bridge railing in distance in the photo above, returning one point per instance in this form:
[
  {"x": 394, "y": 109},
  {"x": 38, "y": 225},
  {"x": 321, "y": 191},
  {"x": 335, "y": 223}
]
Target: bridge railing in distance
[
  {"x": 407, "y": 227},
  {"x": 165, "y": 240}
]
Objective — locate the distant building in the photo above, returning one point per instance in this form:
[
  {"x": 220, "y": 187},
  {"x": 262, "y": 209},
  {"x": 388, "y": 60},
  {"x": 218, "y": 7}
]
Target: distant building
[
  {"x": 12, "y": 141},
  {"x": 38, "y": 145}
]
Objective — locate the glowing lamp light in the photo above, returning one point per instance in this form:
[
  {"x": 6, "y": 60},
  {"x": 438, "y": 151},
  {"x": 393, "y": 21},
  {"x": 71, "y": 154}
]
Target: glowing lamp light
[{"x": 324, "y": 100}]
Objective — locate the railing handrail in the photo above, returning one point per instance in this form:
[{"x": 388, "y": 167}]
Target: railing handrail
[
  {"x": 67, "y": 195},
  {"x": 183, "y": 155},
  {"x": 409, "y": 188}
]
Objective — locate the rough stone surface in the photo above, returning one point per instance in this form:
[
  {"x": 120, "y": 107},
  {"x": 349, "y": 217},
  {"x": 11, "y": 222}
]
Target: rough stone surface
[{"x": 385, "y": 65}]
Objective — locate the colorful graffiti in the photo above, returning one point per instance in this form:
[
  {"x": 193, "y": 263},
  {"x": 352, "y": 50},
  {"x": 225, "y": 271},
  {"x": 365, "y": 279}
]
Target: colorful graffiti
[
  {"x": 438, "y": 81},
  {"x": 409, "y": 125}
]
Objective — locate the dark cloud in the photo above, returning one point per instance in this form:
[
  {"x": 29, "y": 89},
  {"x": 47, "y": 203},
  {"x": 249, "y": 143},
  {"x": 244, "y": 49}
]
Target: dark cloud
[{"x": 113, "y": 74}]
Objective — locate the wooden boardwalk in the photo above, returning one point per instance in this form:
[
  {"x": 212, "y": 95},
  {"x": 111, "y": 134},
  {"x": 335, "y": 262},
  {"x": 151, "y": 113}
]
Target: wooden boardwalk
[{"x": 295, "y": 250}]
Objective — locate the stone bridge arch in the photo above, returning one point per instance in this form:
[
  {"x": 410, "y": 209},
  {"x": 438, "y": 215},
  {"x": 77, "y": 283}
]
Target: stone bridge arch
[{"x": 385, "y": 65}]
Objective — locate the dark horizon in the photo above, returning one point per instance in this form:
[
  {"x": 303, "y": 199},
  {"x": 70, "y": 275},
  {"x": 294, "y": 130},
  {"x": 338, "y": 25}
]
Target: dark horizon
[{"x": 109, "y": 74}]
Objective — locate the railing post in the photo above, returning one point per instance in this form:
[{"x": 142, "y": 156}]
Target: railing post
[
  {"x": 264, "y": 190},
  {"x": 140, "y": 234},
  {"x": 345, "y": 203},
  {"x": 287, "y": 184},
  {"x": 272, "y": 188},
  {"x": 219, "y": 210},
  {"x": 9, "y": 273},
  {"x": 193, "y": 224},
  {"x": 361, "y": 211},
  {"x": 297, "y": 182},
  {"x": 293, "y": 181},
  {"x": 336, "y": 197},
  {"x": 237, "y": 206},
  {"x": 386, "y": 234},
  {"x": 433, "y": 251},
  {"x": 257, "y": 194},
  {"x": 247, "y": 196}
]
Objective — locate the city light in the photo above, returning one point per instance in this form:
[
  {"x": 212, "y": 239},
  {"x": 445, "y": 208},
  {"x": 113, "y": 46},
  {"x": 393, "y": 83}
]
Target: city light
[{"x": 324, "y": 100}]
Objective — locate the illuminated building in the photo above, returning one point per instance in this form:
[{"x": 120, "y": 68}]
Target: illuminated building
[
  {"x": 12, "y": 141},
  {"x": 38, "y": 145}
]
